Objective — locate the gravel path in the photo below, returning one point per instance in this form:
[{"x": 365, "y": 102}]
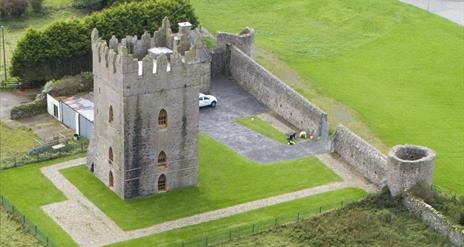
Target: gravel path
[{"x": 89, "y": 226}]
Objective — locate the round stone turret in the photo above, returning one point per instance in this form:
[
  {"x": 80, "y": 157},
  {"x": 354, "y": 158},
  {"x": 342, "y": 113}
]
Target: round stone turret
[{"x": 408, "y": 166}]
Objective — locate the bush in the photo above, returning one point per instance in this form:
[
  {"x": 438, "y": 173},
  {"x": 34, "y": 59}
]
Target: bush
[
  {"x": 14, "y": 8},
  {"x": 33, "y": 108},
  {"x": 36, "y": 5},
  {"x": 64, "y": 48}
]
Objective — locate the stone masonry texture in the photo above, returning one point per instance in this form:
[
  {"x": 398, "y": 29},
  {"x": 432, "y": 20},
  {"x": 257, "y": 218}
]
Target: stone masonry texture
[
  {"x": 435, "y": 219},
  {"x": 137, "y": 96},
  {"x": 277, "y": 95},
  {"x": 363, "y": 157}
]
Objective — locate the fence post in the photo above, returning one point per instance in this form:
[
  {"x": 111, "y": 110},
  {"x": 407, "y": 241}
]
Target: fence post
[
  {"x": 206, "y": 241},
  {"x": 320, "y": 209},
  {"x": 275, "y": 222},
  {"x": 230, "y": 234},
  {"x": 35, "y": 230},
  {"x": 24, "y": 219},
  {"x": 12, "y": 208},
  {"x": 253, "y": 231},
  {"x": 46, "y": 237},
  {"x": 298, "y": 217}
]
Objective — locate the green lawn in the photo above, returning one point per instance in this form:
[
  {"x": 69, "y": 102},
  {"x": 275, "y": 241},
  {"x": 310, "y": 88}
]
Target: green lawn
[
  {"x": 28, "y": 190},
  {"x": 400, "y": 69},
  {"x": 261, "y": 217},
  {"x": 259, "y": 125},
  {"x": 225, "y": 179},
  {"x": 15, "y": 141}
]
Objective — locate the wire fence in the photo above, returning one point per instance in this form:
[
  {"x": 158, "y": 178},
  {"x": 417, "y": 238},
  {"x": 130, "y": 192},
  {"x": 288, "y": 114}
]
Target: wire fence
[
  {"x": 48, "y": 154},
  {"x": 26, "y": 223},
  {"x": 242, "y": 231}
]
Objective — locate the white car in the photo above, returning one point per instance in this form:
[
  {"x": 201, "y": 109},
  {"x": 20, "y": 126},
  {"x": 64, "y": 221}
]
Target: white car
[{"x": 207, "y": 100}]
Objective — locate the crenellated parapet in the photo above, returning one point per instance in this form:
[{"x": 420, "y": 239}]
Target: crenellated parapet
[{"x": 148, "y": 58}]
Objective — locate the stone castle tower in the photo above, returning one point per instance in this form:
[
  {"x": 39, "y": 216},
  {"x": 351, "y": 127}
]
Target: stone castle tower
[{"x": 146, "y": 90}]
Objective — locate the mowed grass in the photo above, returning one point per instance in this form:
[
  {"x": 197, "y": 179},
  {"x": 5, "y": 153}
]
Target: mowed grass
[
  {"x": 15, "y": 141},
  {"x": 399, "y": 68},
  {"x": 261, "y": 218},
  {"x": 259, "y": 125},
  {"x": 28, "y": 190},
  {"x": 225, "y": 179}
]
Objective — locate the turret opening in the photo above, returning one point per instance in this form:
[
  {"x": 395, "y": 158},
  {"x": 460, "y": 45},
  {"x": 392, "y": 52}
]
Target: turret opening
[{"x": 411, "y": 153}]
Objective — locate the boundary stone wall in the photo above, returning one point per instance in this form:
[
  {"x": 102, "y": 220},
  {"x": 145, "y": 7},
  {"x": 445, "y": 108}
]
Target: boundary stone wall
[
  {"x": 435, "y": 219},
  {"x": 362, "y": 156},
  {"x": 277, "y": 95}
]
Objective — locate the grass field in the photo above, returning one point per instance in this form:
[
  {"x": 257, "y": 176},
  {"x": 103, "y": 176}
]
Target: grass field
[
  {"x": 225, "y": 179},
  {"x": 261, "y": 217},
  {"x": 12, "y": 234},
  {"x": 14, "y": 141},
  {"x": 399, "y": 69},
  {"x": 28, "y": 190},
  {"x": 55, "y": 10},
  {"x": 375, "y": 221},
  {"x": 259, "y": 125}
]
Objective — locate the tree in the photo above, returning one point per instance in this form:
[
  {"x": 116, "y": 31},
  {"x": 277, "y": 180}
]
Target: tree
[
  {"x": 36, "y": 5},
  {"x": 14, "y": 8}
]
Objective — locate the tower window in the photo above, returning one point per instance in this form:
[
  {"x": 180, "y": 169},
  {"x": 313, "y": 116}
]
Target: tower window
[
  {"x": 163, "y": 119},
  {"x": 162, "y": 160},
  {"x": 110, "y": 179},
  {"x": 110, "y": 155},
  {"x": 162, "y": 183},
  {"x": 110, "y": 114}
]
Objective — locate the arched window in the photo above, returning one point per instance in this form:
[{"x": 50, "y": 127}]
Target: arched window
[
  {"x": 162, "y": 160},
  {"x": 162, "y": 183},
  {"x": 110, "y": 155},
  {"x": 110, "y": 114},
  {"x": 163, "y": 119},
  {"x": 110, "y": 179}
]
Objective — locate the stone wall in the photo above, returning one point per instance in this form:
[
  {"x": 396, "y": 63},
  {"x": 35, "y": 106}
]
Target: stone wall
[
  {"x": 276, "y": 95},
  {"x": 435, "y": 219},
  {"x": 363, "y": 157}
]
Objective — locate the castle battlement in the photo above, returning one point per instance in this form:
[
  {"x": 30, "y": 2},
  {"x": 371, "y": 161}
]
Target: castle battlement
[{"x": 148, "y": 58}]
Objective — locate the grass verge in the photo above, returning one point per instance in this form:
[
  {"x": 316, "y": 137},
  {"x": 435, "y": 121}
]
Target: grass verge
[
  {"x": 225, "y": 179},
  {"x": 259, "y": 125},
  {"x": 264, "y": 217}
]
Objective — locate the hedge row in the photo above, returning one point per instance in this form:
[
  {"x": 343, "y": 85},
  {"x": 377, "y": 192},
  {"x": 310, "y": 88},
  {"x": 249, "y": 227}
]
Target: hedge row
[
  {"x": 64, "y": 47},
  {"x": 30, "y": 109}
]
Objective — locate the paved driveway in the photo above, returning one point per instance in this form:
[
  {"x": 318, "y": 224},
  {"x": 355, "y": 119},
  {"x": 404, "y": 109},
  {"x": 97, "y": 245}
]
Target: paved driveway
[
  {"x": 11, "y": 98},
  {"x": 233, "y": 103},
  {"x": 452, "y": 10}
]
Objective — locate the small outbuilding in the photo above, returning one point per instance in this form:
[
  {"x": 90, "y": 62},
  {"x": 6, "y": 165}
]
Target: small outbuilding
[{"x": 75, "y": 112}]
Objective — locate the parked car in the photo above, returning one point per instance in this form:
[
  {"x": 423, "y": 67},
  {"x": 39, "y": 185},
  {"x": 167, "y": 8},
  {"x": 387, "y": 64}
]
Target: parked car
[{"x": 207, "y": 100}]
